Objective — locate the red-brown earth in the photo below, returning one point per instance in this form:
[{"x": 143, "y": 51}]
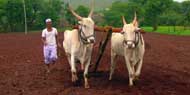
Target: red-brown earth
[{"x": 166, "y": 68}]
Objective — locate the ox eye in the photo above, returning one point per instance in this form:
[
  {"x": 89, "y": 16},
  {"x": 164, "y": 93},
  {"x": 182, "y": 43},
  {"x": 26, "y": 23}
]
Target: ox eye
[
  {"x": 122, "y": 32},
  {"x": 84, "y": 26}
]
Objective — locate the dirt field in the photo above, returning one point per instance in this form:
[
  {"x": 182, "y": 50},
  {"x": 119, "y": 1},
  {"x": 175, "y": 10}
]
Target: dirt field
[{"x": 166, "y": 69}]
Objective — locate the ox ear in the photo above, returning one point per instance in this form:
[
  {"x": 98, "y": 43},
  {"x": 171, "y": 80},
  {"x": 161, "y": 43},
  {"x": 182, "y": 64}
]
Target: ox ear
[
  {"x": 92, "y": 9},
  {"x": 137, "y": 29},
  {"x": 135, "y": 21},
  {"x": 124, "y": 21},
  {"x": 122, "y": 32}
]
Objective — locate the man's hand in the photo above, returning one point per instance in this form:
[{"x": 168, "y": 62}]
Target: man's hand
[
  {"x": 59, "y": 45},
  {"x": 45, "y": 43}
]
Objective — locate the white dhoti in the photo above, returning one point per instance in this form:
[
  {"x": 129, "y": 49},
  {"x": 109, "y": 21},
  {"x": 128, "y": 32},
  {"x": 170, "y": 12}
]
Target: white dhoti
[{"x": 50, "y": 54}]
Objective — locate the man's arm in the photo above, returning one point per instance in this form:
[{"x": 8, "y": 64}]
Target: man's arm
[{"x": 44, "y": 40}]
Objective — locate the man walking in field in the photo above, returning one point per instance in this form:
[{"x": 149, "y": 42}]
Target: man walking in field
[{"x": 50, "y": 41}]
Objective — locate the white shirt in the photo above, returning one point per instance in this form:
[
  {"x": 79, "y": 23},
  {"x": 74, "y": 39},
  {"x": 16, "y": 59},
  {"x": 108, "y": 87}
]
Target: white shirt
[{"x": 50, "y": 36}]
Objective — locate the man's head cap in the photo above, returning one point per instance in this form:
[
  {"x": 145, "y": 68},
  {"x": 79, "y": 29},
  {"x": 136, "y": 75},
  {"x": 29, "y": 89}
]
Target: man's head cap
[{"x": 48, "y": 20}]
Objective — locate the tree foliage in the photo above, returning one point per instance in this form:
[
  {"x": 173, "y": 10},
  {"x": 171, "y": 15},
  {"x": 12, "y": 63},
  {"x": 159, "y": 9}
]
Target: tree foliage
[
  {"x": 149, "y": 12},
  {"x": 12, "y": 18}
]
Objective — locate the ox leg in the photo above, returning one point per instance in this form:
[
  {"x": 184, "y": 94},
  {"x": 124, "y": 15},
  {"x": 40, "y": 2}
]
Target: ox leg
[
  {"x": 112, "y": 67},
  {"x": 133, "y": 69},
  {"x": 86, "y": 85},
  {"x": 82, "y": 63},
  {"x": 138, "y": 70},
  {"x": 130, "y": 71},
  {"x": 73, "y": 69},
  {"x": 69, "y": 59}
]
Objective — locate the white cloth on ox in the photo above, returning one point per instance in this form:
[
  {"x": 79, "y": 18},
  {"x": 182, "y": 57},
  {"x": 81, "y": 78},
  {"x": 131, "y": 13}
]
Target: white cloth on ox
[{"x": 50, "y": 53}]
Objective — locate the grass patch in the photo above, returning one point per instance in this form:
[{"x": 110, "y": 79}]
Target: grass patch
[{"x": 179, "y": 30}]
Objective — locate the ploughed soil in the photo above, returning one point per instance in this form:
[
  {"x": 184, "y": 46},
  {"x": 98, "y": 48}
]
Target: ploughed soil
[{"x": 165, "y": 71}]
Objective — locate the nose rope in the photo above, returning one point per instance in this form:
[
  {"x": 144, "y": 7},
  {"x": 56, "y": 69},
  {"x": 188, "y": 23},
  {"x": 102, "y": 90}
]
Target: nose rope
[{"x": 136, "y": 41}]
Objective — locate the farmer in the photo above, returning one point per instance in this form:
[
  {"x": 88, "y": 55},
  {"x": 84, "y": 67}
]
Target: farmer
[{"x": 50, "y": 41}]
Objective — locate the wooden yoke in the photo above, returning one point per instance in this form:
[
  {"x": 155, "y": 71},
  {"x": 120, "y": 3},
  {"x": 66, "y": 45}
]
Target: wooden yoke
[
  {"x": 106, "y": 29},
  {"x": 102, "y": 29}
]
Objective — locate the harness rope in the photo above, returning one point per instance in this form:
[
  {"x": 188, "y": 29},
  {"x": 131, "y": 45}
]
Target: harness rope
[
  {"x": 136, "y": 41},
  {"x": 84, "y": 39}
]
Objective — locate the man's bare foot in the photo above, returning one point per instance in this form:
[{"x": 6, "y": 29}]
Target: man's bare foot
[
  {"x": 47, "y": 71},
  {"x": 47, "y": 68}
]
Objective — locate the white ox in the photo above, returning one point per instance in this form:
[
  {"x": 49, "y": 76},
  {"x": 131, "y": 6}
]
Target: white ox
[
  {"x": 130, "y": 44},
  {"x": 78, "y": 45}
]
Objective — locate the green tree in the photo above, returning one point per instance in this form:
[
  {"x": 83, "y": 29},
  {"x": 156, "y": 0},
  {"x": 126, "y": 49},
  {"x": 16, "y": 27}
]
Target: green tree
[
  {"x": 113, "y": 15},
  {"x": 49, "y": 10},
  {"x": 14, "y": 15},
  {"x": 3, "y": 21},
  {"x": 12, "y": 18},
  {"x": 33, "y": 9},
  {"x": 171, "y": 17},
  {"x": 68, "y": 15},
  {"x": 81, "y": 10},
  {"x": 154, "y": 8},
  {"x": 185, "y": 10}
]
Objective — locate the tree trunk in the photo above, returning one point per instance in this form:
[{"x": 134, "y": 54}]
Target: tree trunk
[
  {"x": 184, "y": 27},
  {"x": 25, "y": 17},
  {"x": 11, "y": 26},
  {"x": 174, "y": 28},
  {"x": 155, "y": 27}
]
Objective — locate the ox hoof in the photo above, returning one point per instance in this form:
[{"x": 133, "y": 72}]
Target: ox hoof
[
  {"x": 77, "y": 83},
  {"x": 110, "y": 78},
  {"x": 48, "y": 71},
  {"x": 74, "y": 78},
  {"x": 130, "y": 85},
  {"x": 135, "y": 82},
  {"x": 86, "y": 86},
  {"x": 136, "y": 78}
]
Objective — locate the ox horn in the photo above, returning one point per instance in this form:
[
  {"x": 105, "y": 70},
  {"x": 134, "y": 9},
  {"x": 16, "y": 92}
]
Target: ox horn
[
  {"x": 74, "y": 13},
  {"x": 92, "y": 9},
  {"x": 124, "y": 21},
  {"x": 135, "y": 22}
]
